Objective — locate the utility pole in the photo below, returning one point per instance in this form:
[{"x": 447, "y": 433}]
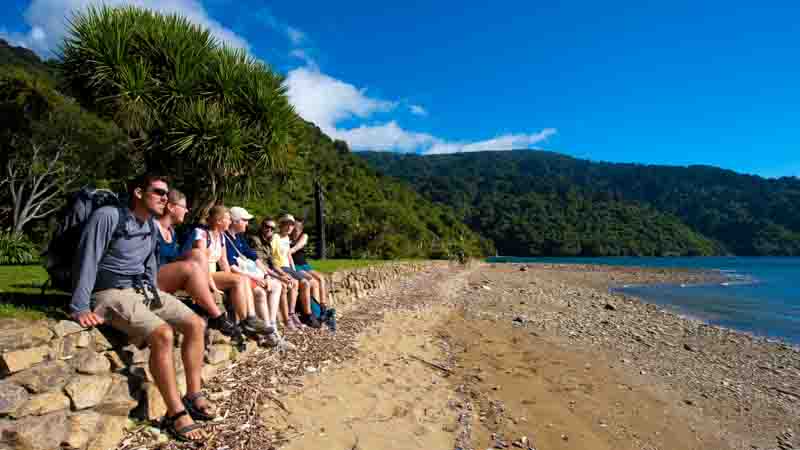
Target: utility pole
[{"x": 319, "y": 203}]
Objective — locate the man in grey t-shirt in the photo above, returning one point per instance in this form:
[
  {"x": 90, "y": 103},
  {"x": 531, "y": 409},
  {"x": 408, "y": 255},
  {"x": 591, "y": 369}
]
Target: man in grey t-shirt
[{"x": 116, "y": 264}]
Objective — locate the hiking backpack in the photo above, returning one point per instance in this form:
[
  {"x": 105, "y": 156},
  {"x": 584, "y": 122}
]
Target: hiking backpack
[{"x": 60, "y": 253}]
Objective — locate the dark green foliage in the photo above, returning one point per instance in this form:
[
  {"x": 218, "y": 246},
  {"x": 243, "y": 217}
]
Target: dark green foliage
[
  {"x": 368, "y": 216},
  {"x": 16, "y": 248},
  {"x": 26, "y": 59},
  {"x": 33, "y": 112},
  {"x": 533, "y": 202}
]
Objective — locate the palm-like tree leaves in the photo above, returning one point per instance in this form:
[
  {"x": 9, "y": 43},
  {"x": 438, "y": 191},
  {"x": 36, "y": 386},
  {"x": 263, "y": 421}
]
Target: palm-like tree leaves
[{"x": 178, "y": 91}]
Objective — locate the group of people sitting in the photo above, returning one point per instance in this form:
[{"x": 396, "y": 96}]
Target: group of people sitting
[{"x": 130, "y": 265}]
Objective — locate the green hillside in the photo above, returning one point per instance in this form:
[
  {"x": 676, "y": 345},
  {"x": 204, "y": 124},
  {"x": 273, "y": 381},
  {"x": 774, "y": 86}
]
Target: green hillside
[
  {"x": 544, "y": 203},
  {"x": 368, "y": 216}
]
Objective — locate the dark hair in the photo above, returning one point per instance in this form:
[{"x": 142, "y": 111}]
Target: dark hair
[{"x": 144, "y": 181}]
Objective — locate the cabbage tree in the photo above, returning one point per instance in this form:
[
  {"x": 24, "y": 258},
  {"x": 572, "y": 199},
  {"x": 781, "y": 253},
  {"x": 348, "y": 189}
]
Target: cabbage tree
[{"x": 208, "y": 114}]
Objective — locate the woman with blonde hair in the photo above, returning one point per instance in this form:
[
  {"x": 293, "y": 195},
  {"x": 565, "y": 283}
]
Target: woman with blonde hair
[
  {"x": 212, "y": 241},
  {"x": 190, "y": 272}
]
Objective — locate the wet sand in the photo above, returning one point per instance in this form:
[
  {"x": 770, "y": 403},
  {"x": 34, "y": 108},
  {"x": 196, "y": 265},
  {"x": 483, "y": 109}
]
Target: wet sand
[{"x": 546, "y": 358}]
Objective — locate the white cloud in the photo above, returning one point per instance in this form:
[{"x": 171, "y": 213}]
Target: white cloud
[
  {"x": 500, "y": 143},
  {"x": 385, "y": 137},
  {"x": 417, "y": 110},
  {"x": 327, "y": 102},
  {"x": 47, "y": 20}
]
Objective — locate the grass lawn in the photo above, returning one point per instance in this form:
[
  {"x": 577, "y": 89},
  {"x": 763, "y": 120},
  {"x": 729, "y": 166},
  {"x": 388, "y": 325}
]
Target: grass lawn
[
  {"x": 332, "y": 265},
  {"x": 21, "y": 294}
]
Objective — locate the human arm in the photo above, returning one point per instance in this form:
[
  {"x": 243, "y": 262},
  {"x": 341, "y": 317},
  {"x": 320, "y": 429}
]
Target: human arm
[
  {"x": 300, "y": 243},
  {"x": 96, "y": 237}
]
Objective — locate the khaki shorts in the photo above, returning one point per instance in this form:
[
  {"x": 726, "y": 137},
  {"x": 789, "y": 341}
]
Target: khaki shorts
[{"x": 124, "y": 309}]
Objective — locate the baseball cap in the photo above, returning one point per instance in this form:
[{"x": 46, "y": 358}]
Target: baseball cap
[
  {"x": 239, "y": 213},
  {"x": 286, "y": 218}
]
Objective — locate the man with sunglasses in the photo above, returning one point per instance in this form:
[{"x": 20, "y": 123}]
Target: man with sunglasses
[
  {"x": 262, "y": 244},
  {"x": 116, "y": 283}
]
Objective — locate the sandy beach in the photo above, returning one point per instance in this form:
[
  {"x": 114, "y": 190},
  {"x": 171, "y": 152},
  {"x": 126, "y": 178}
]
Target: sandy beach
[{"x": 532, "y": 357}]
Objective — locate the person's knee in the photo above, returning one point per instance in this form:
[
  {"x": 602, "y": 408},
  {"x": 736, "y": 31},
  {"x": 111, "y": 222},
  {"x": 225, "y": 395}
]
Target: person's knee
[
  {"x": 161, "y": 338},
  {"x": 196, "y": 324}
]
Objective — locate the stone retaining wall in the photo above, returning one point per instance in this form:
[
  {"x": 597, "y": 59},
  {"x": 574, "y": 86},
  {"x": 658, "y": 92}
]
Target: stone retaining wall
[{"x": 65, "y": 387}]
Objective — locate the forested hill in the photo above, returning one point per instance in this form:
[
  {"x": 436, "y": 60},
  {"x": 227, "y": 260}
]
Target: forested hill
[
  {"x": 368, "y": 216},
  {"x": 544, "y": 203}
]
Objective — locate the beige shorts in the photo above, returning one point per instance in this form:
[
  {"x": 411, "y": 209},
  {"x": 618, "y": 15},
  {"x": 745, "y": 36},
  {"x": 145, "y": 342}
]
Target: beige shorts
[{"x": 124, "y": 309}]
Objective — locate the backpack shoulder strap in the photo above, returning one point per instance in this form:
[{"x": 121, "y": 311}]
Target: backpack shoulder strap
[{"x": 121, "y": 227}]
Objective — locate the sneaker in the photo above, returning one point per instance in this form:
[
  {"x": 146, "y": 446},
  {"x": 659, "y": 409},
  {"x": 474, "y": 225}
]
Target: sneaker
[
  {"x": 224, "y": 325},
  {"x": 297, "y": 322},
  {"x": 255, "y": 325},
  {"x": 270, "y": 341},
  {"x": 290, "y": 324},
  {"x": 311, "y": 321}
]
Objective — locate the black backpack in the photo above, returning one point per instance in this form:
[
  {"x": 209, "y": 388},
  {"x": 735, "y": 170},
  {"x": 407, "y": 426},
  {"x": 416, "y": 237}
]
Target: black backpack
[{"x": 60, "y": 252}]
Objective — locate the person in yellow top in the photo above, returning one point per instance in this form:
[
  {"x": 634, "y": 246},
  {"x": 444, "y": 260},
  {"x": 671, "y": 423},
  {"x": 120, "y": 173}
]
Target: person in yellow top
[{"x": 281, "y": 254}]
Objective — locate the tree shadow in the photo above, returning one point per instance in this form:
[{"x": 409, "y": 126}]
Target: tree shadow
[{"x": 50, "y": 305}]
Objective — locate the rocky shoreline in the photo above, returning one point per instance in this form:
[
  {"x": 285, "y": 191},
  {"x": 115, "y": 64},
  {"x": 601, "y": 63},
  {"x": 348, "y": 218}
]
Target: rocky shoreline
[{"x": 749, "y": 385}]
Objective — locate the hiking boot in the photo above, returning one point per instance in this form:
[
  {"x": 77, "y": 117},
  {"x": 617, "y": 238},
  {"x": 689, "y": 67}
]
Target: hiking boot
[
  {"x": 330, "y": 319},
  {"x": 310, "y": 320},
  {"x": 255, "y": 325},
  {"x": 224, "y": 325},
  {"x": 271, "y": 340}
]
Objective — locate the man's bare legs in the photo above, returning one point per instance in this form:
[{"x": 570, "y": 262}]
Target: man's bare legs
[
  {"x": 192, "y": 348},
  {"x": 163, "y": 371}
]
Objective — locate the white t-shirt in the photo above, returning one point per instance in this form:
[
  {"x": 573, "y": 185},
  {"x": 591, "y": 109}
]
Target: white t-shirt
[{"x": 216, "y": 248}]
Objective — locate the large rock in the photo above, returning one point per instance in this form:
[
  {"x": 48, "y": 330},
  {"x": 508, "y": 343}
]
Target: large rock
[
  {"x": 43, "y": 404},
  {"x": 208, "y": 372},
  {"x": 101, "y": 342},
  {"x": 81, "y": 427},
  {"x": 118, "y": 400},
  {"x": 12, "y": 396},
  {"x": 152, "y": 403},
  {"x": 218, "y": 353},
  {"x": 91, "y": 363},
  {"x": 132, "y": 354},
  {"x": 87, "y": 391},
  {"x": 17, "y": 360},
  {"x": 48, "y": 376},
  {"x": 45, "y": 432},
  {"x": 65, "y": 327},
  {"x": 141, "y": 373},
  {"x": 18, "y": 334},
  {"x": 116, "y": 362},
  {"x": 109, "y": 433}
]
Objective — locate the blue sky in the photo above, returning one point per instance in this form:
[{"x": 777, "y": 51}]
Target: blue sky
[{"x": 653, "y": 82}]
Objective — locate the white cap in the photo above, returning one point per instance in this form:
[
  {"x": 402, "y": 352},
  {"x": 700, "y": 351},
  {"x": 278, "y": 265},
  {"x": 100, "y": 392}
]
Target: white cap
[
  {"x": 286, "y": 218},
  {"x": 239, "y": 213}
]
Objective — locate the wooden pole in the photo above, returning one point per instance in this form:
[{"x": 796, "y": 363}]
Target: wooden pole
[{"x": 319, "y": 203}]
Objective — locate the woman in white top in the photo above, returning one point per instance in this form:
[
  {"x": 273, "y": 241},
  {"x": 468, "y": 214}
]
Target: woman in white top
[{"x": 212, "y": 241}]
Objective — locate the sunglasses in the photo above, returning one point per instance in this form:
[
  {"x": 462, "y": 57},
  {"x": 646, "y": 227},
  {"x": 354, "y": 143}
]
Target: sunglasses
[
  {"x": 159, "y": 192},
  {"x": 268, "y": 227}
]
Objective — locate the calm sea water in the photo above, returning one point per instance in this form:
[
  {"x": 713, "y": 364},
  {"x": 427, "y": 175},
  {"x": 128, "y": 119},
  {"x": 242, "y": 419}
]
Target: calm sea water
[{"x": 761, "y": 296}]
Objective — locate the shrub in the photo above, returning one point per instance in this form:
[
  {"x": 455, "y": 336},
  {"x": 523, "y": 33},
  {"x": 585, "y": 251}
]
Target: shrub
[{"x": 16, "y": 248}]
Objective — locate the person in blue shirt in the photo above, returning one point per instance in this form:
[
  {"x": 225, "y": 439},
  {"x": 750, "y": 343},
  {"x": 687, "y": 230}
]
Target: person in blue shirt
[
  {"x": 187, "y": 272},
  {"x": 244, "y": 260},
  {"x": 116, "y": 282}
]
